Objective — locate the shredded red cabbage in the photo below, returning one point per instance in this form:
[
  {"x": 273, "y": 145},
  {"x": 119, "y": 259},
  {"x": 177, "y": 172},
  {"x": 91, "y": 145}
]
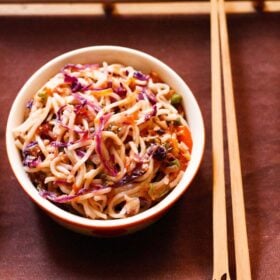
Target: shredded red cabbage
[
  {"x": 140, "y": 76},
  {"x": 80, "y": 153},
  {"x": 31, "y": 161},
  {"x": 109, "y": 84},
  {"x": 151, "y": 97},
  {"x": 59, "y": 112},
  {"x": 58, "y": 144},
  {"x": 136, "y": 172},
  {"x": 140, "y": 96},
  {"x": 31, "y": 156},
  {"x": 151, "y": 150},
  {"x": 84, "y": 101},
  {"x": 152, "y": 113},
  {"x": 121, "y": 91},
  {"x": 29, "y": 104},
  {"x": 74, "y": 83},
  {"x": 160, "y": 153},
  {"x": 148, "y": 94},
  {"x": 30, "y": 145},
  {"x": 29, "y": 151}
]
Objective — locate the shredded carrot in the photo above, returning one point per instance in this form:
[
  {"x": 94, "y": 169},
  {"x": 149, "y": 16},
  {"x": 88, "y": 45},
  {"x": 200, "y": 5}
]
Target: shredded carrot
[
  {"x": 175, "y": 147},
  {"x": 75, "y": 188},
  {"x": 103, "y": 92},
  {"x": 131, "y": 118},
  {"x": 170, "y": 93},
  {"x": 184, "y": 135},
  {"x": 131, "y": 83},
  {"x": 155, "y": 77}
]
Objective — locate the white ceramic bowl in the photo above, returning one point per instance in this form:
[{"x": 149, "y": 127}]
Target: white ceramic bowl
[{"x": 111, "y": 54}]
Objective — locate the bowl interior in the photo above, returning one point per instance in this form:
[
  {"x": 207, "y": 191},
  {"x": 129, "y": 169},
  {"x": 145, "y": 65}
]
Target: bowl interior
[{"x": 110, "y": 54}]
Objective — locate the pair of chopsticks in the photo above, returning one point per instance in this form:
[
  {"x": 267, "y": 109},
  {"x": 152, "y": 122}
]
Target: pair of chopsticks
[{"x": 219, "y": 69}]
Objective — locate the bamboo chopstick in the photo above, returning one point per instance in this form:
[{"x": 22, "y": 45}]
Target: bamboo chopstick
[
  {"x": 219, "y": 199},
  {"x": 243, "y": 271}
]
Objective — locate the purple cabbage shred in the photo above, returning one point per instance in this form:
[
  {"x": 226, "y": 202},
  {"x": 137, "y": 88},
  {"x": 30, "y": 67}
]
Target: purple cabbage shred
[
  {"x": 140, "y": 96},
  {"x": 84, "y": 102},
  {"x": 31, "y": 161},
  {"x": 152, "y": 113},
  {"x": 121, "y": 91},
  {"x": 140, "y": 76},
  {"x": 28, "y": 149},
  {"x": 58, "y": 144},
  {"x": 74, "y": 83},
  {"x": 160, "y": 153},
  {"x": 31, "y": 144},
  {"x": 136, "y": 172},
  {"x": 151, "y": 97},
  {"x": 59, "y": 112},
  {"x": 80, "y": 153},
  {"x": 29, "y": 104},
  {"x": 148, "y": 94}
]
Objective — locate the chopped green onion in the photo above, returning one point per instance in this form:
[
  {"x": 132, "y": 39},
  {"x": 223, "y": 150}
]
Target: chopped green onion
[
  {"x": 174, "y": 162},
  {"x": 167, "y": 146},
  {"x": 176, "y": 99},
  {"x": 43, "y": 95},
  {"x": 178, "y": 122}
]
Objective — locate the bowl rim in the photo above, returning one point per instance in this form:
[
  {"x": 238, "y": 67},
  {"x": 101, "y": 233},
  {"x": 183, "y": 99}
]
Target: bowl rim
[{"x": 83, "y": 222}]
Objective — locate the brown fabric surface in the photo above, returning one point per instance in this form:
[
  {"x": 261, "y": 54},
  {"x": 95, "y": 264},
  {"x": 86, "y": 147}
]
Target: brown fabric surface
[{"x": 179, "y": 246}]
